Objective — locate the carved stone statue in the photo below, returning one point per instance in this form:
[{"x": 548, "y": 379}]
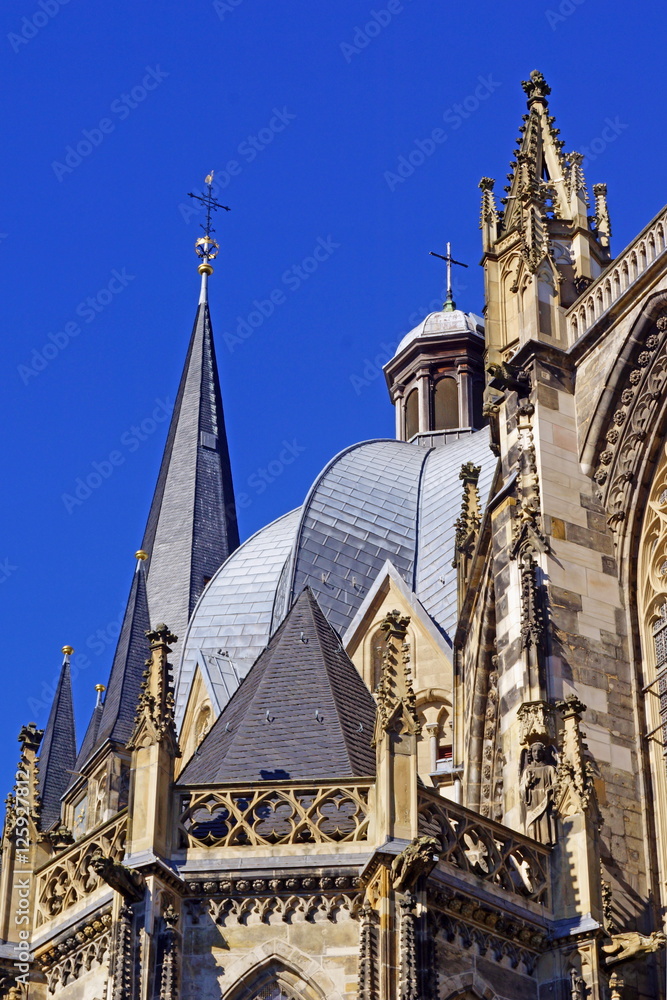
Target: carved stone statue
[
  {"x": 538, "y": 780},
  {"x": 632, "y": 943},
  {"x": 418, "y": 858},
  {"x": 127, "y": 881}
]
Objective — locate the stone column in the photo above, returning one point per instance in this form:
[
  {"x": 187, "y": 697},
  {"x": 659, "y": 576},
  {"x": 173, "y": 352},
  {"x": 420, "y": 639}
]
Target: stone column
[
  {"x": 424, "y": 390},
  {"x": 465, "y": 395},
  {"x": 399, "y": 407},
  {"x": 433, "y": 730}
]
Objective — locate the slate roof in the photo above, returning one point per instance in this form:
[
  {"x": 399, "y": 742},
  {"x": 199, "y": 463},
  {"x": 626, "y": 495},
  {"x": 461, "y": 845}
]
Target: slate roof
[
  {"x": 441, "y": 323},
  {"x": 191, "y": 526},
  {"x": 375, "y": 502},
  {"x": 191, "y": 530},
  {"x": 57, "y": 751},
  {"x": 303, "y": 712},
  {"x": 440, "y": 499},
  {"x": 233, "y": 616},
  {"x": 361, "y": 511},
  {"x": 89, "y": 740},
  {"x": 122, "y": 696}
]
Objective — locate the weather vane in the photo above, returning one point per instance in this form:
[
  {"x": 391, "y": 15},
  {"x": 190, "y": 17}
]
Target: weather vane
[
  {"x": 206, "y": 247},
  {"x": 449, "y": 304}
]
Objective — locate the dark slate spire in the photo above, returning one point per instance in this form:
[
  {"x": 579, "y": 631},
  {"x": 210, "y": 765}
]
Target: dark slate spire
[
  {"x": 58, "y": 749},
  {"x": 303, "y": 711},
  {"x": 192, "y": 525},
  {"x": 89, "y": 740},
  {"x": 120, "y": 705}
]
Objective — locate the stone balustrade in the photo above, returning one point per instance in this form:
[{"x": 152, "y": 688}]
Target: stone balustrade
[
  {"x": 617, "y": 278},
  {"x": 486, "y": 849},
  {"x": 295, "y": 813}
]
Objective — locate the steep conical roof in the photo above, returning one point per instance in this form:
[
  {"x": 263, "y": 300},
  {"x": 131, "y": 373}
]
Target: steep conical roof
[
  {"x": 58, "y": 750},
  {"x": 191, "y": 526},
  {"x": 89, "y": 740},
  {"x": 120, "y": 705},
  {"x": 303, "y": 711}
]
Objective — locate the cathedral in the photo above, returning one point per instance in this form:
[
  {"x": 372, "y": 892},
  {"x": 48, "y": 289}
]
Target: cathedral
[{"x": 407, "y": 742}]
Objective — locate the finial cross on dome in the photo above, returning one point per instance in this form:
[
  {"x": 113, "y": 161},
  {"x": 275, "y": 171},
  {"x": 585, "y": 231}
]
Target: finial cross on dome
[
  {"x": 449, "y": 304},
  {"x": 206, "y": 247}
]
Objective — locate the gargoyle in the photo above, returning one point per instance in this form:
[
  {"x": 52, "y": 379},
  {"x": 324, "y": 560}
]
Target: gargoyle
[
  {"x": 129, "y": 882},
  {"x": 60, "y": 837},
  {"x": 632, "y": 943},
  {"x": 418, "y": 858}
]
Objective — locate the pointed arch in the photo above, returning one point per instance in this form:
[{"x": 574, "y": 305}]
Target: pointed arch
[
  {"x": 616, "y": 380},
  {"x": 284, "y": 965},
  {"x": 467, "y": 986}
]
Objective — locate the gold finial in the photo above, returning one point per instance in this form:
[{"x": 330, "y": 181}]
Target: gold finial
[
  {"x": 100, "y": 688},
  {"x": 68, "y": 650},
  {"x": 141, "y": 555}
]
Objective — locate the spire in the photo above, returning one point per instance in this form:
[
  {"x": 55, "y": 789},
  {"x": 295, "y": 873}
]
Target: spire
[
  {"x": 58, "y": 748},
  {"x": 116, "y": 717},
  {"x": 303, "y": 711},
  {"x": 543, "y": 248},
  {"x": 89, "y": 741},
  {"x": 191, "y": 526}
]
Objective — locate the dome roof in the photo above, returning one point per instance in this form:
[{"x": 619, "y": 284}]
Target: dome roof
[
  {"x": 375, "y": 502},
  {"x": 444, "y": 322}
]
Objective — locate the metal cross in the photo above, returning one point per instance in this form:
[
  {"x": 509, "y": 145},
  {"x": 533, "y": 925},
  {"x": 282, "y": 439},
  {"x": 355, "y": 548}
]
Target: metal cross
[
  {"x": 209, "y": 203},
  {"x": 206, "y": 247},
  {"x": 449, "y": 260}
]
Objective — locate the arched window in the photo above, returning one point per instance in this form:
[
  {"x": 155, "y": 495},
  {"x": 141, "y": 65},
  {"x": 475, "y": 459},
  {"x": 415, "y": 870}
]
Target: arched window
[
  {"x": 478, "y": 419},
  {"x": 274, "y": 991},
  {"x": 446, "y": 404},
  {"x": 411, "y": 414},
  {"x": 377, "y": 649},
  {"x": 652, "y": 608},
  {"x": 203, "y": 723}
]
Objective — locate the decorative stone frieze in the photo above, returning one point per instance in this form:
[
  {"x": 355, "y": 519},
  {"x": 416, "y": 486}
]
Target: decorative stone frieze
[
  {"x": 88, "y": 945},
  {"x": 408, "y": 972},
  {"x": 536, "y": 722},
  {"x": 631, "y": 422}
]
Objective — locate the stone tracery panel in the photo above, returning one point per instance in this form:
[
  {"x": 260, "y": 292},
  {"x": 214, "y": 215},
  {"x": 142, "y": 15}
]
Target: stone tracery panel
[
  {"x": 485, "y": 849},
  {"x": 69, "y": 877},
  {"x": 652, "y": 597},
  {"x": 259, "y": 816}
]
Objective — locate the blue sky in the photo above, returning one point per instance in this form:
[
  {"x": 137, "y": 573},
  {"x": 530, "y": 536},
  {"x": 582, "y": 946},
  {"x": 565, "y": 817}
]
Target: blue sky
[{"x": 306, "y": 111}]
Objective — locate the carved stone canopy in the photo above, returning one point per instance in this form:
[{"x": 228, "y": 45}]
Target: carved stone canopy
[{"x": 537, "y": 722}]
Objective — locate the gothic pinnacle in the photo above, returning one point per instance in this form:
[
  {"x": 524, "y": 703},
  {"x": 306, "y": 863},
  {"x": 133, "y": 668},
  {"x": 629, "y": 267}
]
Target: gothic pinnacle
[{"x": 536, "y": 88}]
